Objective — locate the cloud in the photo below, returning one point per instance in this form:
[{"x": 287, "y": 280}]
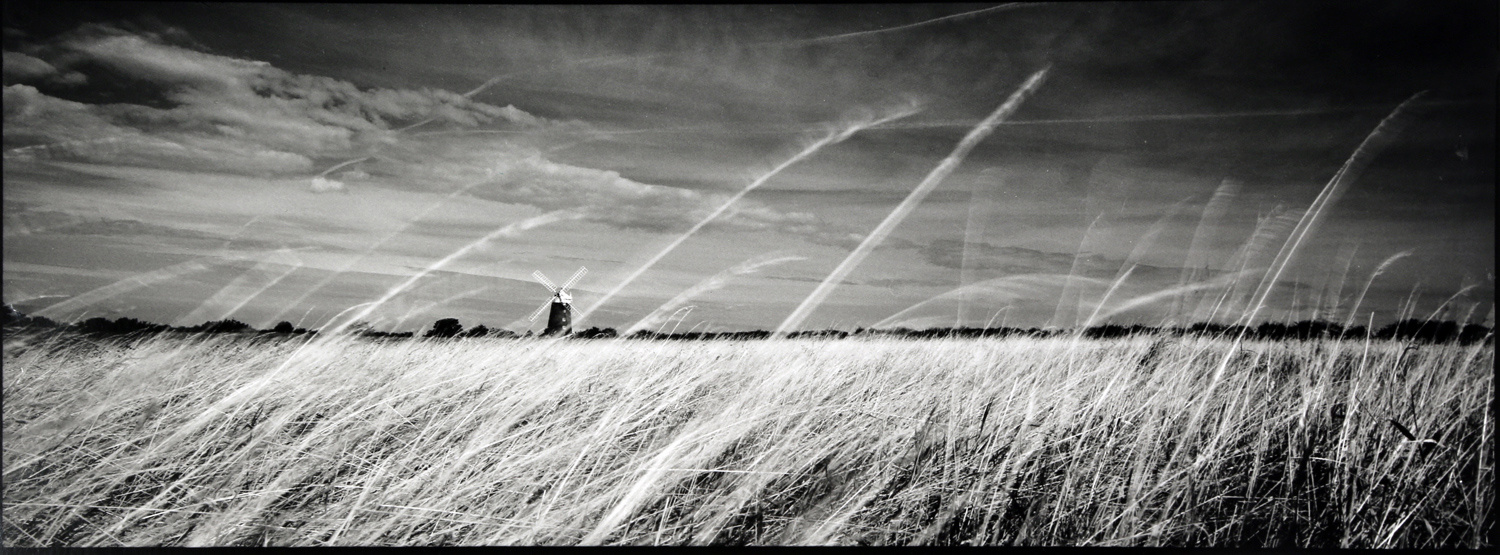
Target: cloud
[
  {"x": 323, "y": 185},
  {"x": 949, "y": 253},
  {"x": 40, "y": 127},
  {"x": 190, "y": 109},
  {"x": 212, "y": 112},
  {"x": 21, "y": 68},
  {"x": 604, "y": 196}
]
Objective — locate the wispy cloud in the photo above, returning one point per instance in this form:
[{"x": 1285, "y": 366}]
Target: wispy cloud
[
  {"x": 213, "y": 112},
  {"x": 22, "y": 68},
  {"x": 604, "y": 196},
  {"x": 210, "y": 112}
]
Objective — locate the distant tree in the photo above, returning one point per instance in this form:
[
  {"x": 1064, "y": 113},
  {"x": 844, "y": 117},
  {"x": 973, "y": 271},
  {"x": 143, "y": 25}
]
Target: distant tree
[
  {"x": 375, "y": 334},
  {"x": 1473, "y": 333},
  {"x": 477, "y": 331},
  {"x": 596, "y": 333},
  {"x": 225, "y": 326},
  {"x": 284, "y": 327},
  {"x": 1275, "y": 331},
  {"x": 504, "y": 334},
  {"x": 134, "y": 326},
  {"x": 95, "y": 326},
  {"x": 447, "y": 327},
  {"x": 1413, "y": 329}
]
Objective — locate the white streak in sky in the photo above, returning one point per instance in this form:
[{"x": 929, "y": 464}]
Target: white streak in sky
[
  {"x": 778, "y": 129},
  {"x": 505, "y": 231},
  {"x": 712, "y": 283},
  {"x": 392, "y": 235},
  {"x": 981, "y": 209},
  {"x": 834, "y": 136},
  {"x": 858, "y": 34},
  {"x": 1378, "y": 270},
  {"x": 920, "y": 192},
  {"x": 241, "y": 290},
  {"x": 1156, "y": 117},
  {"x": 1197, "y": 253},
  {"x": 1381, "y": 136},
  {"x": 90, "y": 297},
  {"x": 1069, "y": 293},
  {"x": 605, "y": 60},
  {"x": 429, "y": 306},
  {"x": 1001, "y": 288},
  {"x": 1173, "y": 292}
]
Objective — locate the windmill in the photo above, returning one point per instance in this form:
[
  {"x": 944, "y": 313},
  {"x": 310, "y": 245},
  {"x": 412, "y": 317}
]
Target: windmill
[{"x": 561, "y": 318}]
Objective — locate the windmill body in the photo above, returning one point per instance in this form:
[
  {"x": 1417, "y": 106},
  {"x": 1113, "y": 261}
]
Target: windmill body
[{"x": 560, "y": 319}]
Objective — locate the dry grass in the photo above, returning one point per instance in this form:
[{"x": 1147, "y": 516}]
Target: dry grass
[{"x": 233, "y": 441}]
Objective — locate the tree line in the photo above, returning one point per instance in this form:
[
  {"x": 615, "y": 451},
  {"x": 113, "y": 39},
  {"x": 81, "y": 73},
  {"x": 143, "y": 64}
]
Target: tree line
[{"x": 1431, "y": 331}]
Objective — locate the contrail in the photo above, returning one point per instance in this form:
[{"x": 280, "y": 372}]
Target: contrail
[
  {"x": 834, "y": 136},
  {"x": 776, "y": 43},
  {"x": 946, "y": 124},
  {"x": 48, "y": 150},
  {"x": 1156, "y": 117},
  {"x": 714, "y": 282},
  {"x": 340, "y": 165},
  {"x": 606, "y": 60},
  {"x": 920, "y": 192},
  {"x": 858, "y": 34}
]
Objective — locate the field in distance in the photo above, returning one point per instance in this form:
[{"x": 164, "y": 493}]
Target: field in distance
[{"x": 1142, "y": 441}]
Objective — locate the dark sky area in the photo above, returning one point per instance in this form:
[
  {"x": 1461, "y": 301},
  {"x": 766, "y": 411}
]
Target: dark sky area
[{"x": 181, "y": 162}]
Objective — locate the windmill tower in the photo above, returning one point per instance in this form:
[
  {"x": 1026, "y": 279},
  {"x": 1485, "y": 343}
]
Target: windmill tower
[{"x": 561, "y": 318}]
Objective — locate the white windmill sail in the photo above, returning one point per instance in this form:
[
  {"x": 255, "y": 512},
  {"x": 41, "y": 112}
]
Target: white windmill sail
[
  {"x": 539, "y": 310},
  {"x": 578, "y": 274},
  {"x": 542, "y": 279}
]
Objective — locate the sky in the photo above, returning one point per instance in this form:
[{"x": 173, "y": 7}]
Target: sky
[{"x": 711, "y": 166}]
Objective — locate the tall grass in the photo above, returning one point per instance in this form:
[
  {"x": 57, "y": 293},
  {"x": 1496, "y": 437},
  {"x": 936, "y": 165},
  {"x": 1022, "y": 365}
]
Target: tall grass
[{"x": 1059, "y": 441}]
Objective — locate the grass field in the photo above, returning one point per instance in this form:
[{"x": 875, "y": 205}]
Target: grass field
[{"x": 1140, "y": 441}]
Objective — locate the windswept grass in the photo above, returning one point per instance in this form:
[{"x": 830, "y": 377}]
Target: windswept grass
[{"x": 1059, "y": 441}]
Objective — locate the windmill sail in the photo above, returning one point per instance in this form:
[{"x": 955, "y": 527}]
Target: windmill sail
[
  {"x": 542, "y": 279},
  {"x": 538, "y": 311},
  {"x": 578, "y": 274}
]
